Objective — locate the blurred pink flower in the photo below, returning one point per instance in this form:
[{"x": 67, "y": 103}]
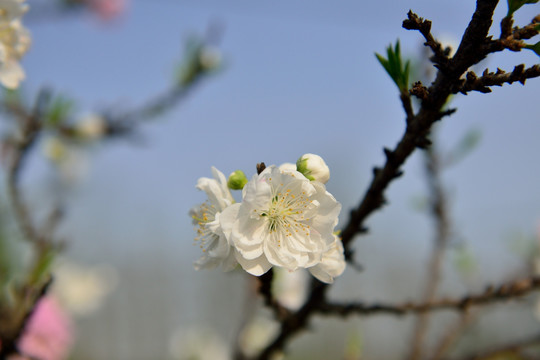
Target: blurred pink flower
[
  {"x": 48, "y": 334},
  {"x": 107, "y": 9}
]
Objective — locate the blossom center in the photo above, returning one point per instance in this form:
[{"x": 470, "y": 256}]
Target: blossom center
[{"x": 289, "y": 212}]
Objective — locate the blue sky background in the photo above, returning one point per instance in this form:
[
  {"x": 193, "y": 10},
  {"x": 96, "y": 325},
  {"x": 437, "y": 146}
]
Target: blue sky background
[{"x": 299, "y": 77}]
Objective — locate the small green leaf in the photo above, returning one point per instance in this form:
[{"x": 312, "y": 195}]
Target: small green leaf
[
  {"x": 514, "y": 5},
  {"x": 199, "y": 59},
  {"x": 535, "y": 48},
  {"x": 394, "y": 66},
  {"x": 42, "y": 267},
  {"x": 59, "y": 110}
]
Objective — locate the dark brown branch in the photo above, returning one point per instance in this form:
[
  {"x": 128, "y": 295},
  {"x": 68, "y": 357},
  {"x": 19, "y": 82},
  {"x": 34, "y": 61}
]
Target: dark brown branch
[
  {"x": 407, "y": 106},
  {"x": 474, "y": 47},
  {"x": 265, "y": 289},
  {"x": 507, "y": 291},
  {"x": 30, "y": 127},
  {"x": 420, "y": 125},
  {"x": 498, "y": 78},
  {"x": 414, "y": 22},
  {"x": 297, "y": 321},
  {"x": 19, "y": 318}
]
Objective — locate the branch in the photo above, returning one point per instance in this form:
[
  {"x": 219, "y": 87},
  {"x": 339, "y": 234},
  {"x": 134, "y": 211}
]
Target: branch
[
  {"x": 507, "y": 291},
  {"x": 30, "y": 127},
  {"x": 474, "y": 47},
  {"x": 20, "y": 317},
  {"x": 510, "y": 349},
  {"x": 125, "y": 123},
  {"x": 297, "y": 321},
  {"x": 439, "y": 210},
  {"x": 452, "y": 334},
  {"x": 418, "y": 128},
  {"x": 440, "y": 55},
  {"x": 481, "y": 84},
  {"x": 265, "y": 289}
]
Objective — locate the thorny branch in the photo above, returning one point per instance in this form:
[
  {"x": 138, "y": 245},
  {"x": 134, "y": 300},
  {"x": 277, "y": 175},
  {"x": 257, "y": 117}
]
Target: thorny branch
[
  {"x": 482, "y": 84},
  {"x": 474, "y": 47}
]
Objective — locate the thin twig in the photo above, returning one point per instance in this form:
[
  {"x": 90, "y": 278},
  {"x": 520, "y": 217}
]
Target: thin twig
[
  {"x": 514, "y": 348},
  {"x": 507, "y": 291},
  {"x": 414, "y": 22},
  {"x": 439, "y": 210},
  {"x": 498, "y": 78},
  {"x": 120, "y": 124},
  {"x": 30, "y": 127},
  {"x": 452, "y": 334}
]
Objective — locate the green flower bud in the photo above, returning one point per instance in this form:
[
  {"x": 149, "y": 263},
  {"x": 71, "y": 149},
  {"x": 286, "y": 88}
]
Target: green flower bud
[
  {"x": 237, "y": 180},
  {"x": 313, "y": 167}
]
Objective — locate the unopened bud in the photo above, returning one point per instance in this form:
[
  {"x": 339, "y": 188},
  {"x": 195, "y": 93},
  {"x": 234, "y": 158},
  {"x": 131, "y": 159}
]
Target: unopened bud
[
  {"x": 237, "y": 180},
  {"x": 209, "y": 58},
  {"x": 313, "y": 167}
]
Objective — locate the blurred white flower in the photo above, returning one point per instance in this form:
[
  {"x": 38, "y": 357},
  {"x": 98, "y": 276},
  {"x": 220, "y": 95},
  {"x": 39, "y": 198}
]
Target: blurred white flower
[
  {"x": 257, "y": 334},
  {"x": 14, "y": 42},
  {"x": 214, "y": 223},
  {"x": 198, "y": 344},
  {"x": 91, "y": 127},
  {"x": 290, "y": 287},
  {"x": 80, "y": 289},
  {"x": 313, "y": 167},
  {"x": 72, "y": 163},
  {"x": 284, "y": 220}
]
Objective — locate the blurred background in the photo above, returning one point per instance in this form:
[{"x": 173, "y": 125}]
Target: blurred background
[{"x": 295, "y": 77}]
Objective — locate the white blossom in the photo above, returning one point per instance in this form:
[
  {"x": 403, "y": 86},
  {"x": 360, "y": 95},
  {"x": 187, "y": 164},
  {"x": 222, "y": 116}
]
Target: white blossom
[
  {"x": 91, "y": 127},
  {"x": 213, "y": 223},
  {"x": 14, "y": 42},
  {"x": 332, "y": 263},
  {"x": 313, "y": 167},
  {"x": 198, "y": 344},
  {"x": 82, "y": 289},
  {"x": 284, "y": 220},
  {"x": 287, "y": 167},
  {"x": 290, "y": 287},
  {"x": 257, "y": 334}
]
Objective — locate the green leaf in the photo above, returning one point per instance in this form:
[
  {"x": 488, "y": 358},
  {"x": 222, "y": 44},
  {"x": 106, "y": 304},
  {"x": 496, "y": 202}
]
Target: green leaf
[
  {"x": 535, "y": 48},
  {"x": 394, "y": 66},
  {"x": 514, "y": 5},
  {"x": 42, "y": 266},
  {"x": 59, "y": 111}
]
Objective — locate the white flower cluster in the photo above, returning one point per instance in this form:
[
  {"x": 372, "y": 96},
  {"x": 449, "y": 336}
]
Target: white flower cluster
[
  {"x": 14, "y": 42},
  {"x": 284, "y": 220}
]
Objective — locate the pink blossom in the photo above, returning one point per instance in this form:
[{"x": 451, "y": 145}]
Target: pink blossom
[
  {"x": 107, "y": 9},
  {"x": 48, "y": 334}
]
